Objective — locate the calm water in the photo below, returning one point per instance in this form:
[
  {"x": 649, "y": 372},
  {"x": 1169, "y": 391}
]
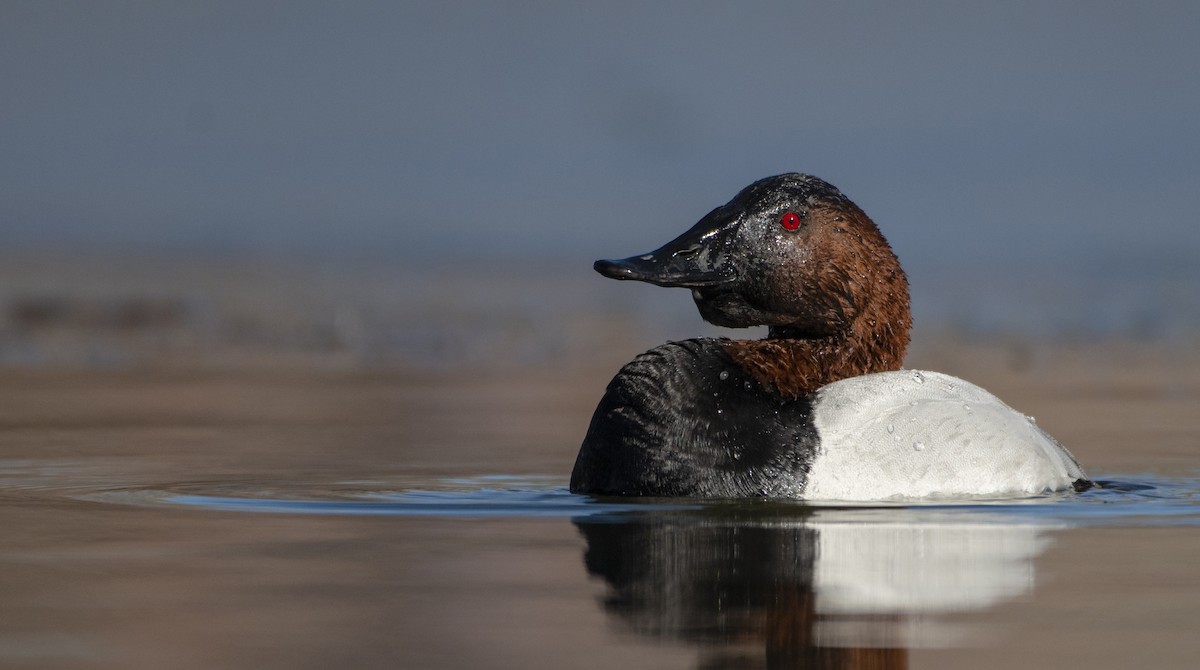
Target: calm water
[
  {"x": 515, "y": 571},
  {"x": 304, "y": 497}
]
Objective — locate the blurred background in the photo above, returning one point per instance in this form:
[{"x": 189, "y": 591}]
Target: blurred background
[
  {"x": 426, "y": 184},
  {"x": 334, "y": 252}
]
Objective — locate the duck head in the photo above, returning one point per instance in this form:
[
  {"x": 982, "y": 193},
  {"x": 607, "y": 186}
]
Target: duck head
[{"x": 789, "y": 252}]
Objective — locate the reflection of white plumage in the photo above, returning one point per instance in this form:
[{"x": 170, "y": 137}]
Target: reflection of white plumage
[
  {"x": 910, "y": 434},
  {"x": 916, "y": 562}
]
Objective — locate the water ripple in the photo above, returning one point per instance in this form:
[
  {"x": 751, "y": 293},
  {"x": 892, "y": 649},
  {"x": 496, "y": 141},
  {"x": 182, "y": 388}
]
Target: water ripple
[
  {"x": 1119, "y": 500},
  {"x": 1125, "y": 501}
]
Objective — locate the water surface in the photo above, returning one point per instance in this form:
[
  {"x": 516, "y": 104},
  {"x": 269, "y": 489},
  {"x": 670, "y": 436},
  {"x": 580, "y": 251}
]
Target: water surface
[{"x": 297, "y": 517}]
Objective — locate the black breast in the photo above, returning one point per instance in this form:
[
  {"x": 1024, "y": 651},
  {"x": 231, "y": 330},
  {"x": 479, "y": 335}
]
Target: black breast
[{"x": 683, "y": 420}]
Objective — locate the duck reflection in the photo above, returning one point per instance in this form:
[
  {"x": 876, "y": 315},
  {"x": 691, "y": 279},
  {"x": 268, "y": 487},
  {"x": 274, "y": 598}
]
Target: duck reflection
[{"x": 789, "y": 587}]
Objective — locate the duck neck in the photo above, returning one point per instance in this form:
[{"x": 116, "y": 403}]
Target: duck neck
[{"x": 796, "y": 365}]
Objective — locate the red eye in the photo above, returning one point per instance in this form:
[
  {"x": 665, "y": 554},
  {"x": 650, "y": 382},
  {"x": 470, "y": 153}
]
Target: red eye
[{"x": 790, "y": 221}]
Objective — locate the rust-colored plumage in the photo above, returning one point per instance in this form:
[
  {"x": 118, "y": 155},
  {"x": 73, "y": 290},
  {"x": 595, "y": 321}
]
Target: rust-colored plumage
[{"x": 857, "y": 318}]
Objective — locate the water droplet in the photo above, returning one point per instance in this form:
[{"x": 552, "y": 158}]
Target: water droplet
[
  {"x": 891, "y": 428},
  {"x": 919, "y": 446},
  {"x": 1031, "y": 419},
  {"x": 748, "y": 385},
  {"x": 966, "y": 407},
  {"x": 719, "y": 410},
  {"x": 724, "y": 375},
  {"x": 918, "y": 377}
]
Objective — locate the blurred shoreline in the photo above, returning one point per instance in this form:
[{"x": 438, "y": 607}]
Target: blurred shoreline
[
  {"x": 79, "y": 310},
  {"x": 94, "y": 341}
]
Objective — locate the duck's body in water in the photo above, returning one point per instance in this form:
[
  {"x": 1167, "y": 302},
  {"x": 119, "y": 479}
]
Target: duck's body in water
[{"x": 803, "y": 413}]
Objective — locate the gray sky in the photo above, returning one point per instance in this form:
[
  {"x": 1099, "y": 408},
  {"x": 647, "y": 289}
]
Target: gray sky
[{"x": 1048, "y": 134}]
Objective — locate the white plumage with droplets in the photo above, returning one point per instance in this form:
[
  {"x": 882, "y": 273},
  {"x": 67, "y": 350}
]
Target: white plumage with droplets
[{"x": 913, "y": 434}]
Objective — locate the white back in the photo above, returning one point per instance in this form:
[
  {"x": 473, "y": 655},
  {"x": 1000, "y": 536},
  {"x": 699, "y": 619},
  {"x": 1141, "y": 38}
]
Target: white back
[{"x": 914, "y": 434}]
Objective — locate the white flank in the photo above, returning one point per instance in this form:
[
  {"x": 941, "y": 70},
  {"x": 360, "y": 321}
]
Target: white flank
[{"x": 914, "y": 434}]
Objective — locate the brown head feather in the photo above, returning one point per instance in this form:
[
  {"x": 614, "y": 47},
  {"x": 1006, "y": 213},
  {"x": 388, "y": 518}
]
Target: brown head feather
[{"x": 858, "y": 304}]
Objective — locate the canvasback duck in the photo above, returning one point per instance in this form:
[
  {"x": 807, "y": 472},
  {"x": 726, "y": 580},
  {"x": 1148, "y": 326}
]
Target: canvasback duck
[{"x": 818, "y": 410}]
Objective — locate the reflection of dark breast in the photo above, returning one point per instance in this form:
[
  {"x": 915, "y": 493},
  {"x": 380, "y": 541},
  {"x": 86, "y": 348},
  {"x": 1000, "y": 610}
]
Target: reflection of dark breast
[
  {"x": 675, "y": 578},
  {"x": 683, "y": 420},
  {"x": 720, "y": 582}
]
